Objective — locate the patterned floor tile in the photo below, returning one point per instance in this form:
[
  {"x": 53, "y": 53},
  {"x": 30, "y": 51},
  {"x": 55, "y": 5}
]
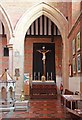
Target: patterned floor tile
[{"x": 40, "y": 110}]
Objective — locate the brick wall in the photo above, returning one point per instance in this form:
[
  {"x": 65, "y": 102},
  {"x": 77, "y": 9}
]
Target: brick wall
[
  {"x": 69, "y": 15},
  {"x": 73, "y": 36},
  {"x": 4, "y": 61},
  {"x": 75, "y": 11},
  {"x": 16, "y": 9},
  {"x": 28, "y": 53},
  {"x": 0, "y": 54}
]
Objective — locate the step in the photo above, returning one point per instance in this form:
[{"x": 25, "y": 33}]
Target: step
[
  {"x": 21, "y": 105},
  {"x": 7, "y": 109}
]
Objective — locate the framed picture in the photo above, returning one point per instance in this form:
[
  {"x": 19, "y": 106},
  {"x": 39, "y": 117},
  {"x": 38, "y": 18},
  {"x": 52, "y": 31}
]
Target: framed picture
[
  {"x": 74, "y": 65},
  {"x": 78, "y": 63},
  {"x": 17, "y": 73},
  {"x": 70, "y": 70},
  {"x": 73, "y": 46},
  {"x": 78, "y": 41}
]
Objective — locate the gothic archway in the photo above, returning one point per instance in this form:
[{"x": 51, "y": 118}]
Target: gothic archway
[
  {"x": 6, "y": 22},
  {"x": 20, "y": 30}
]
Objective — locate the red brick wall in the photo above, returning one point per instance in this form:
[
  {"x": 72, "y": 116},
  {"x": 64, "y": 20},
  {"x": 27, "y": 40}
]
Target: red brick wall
[
  {"x": 69, "y": 15},
  {"x": 4, "y": 61},
  {"x": 28, "y": 58},
  {"x": 75, "y": 11},
  {"x": 73, "y": 35},
  {"x": 62, "y": 7},
  {"x": 0, "y": 54}
]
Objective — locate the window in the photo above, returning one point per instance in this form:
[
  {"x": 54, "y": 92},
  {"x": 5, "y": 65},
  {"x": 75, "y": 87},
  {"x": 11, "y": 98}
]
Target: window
[{"x": 6, "y": 51}]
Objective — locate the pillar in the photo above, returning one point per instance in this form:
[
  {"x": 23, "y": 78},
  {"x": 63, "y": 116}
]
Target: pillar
[
  {"x": 10, "y": 46},
  {"x": 18, "y": 64}
]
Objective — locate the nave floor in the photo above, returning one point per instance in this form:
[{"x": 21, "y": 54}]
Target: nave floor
[{"x": 40, "y": 110}]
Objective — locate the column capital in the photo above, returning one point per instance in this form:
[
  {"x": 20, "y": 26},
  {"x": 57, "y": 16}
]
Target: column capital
[{"x": 10, "y": 46}]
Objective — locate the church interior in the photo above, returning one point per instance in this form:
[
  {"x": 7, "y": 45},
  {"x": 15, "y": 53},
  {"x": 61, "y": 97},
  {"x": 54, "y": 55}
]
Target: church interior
[{"x": 41, "y": 59}]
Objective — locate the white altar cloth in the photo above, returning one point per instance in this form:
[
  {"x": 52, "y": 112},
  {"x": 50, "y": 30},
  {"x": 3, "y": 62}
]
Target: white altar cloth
[{"x": 50, "y": 82}]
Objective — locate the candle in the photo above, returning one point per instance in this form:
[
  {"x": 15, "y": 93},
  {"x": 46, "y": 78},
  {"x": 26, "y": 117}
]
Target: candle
[
  {"x": 47, "y": 75},
  {"x": 51, "y": 75},
  {"x": 38, "y": 75},
  {"x": 34, "y": 75}
]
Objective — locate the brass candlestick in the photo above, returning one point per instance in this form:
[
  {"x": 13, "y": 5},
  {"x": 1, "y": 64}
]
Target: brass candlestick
[{"x": 22, "y": 97}]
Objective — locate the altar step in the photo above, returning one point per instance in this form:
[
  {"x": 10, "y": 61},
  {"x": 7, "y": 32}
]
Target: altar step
[
  {"x": 43, "y": 90},
  {"x": 43, "y": 96}
]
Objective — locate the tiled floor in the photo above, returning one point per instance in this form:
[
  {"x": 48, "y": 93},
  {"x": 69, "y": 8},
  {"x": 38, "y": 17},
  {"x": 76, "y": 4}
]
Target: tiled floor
[{"x": 40, "y": 110}]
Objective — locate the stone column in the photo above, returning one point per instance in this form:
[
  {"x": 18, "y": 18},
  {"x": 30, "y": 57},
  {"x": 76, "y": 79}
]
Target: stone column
[
  {"x": 10, "y": 46},
  {"x": 65, "y": 63},
  {"x": 18, "y": 64},
  {"x": 1, "y": 54}
]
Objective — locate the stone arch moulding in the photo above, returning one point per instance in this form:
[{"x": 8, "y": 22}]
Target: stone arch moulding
[
  {"x": 7, "y": 23},
  {"x": 36, "y": 11},
  {"x": 28, "y": 18}
]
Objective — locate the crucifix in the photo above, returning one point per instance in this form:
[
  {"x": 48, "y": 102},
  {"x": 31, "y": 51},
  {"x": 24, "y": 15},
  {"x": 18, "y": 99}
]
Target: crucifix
[{"x": 43, "y": 52}]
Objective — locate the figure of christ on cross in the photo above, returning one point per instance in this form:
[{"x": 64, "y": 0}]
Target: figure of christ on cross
[{"x": 43, "y": 52}]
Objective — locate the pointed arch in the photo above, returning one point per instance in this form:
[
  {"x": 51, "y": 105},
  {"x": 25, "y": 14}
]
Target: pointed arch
[
  {"x": 23, "y": 25},
  {"x": 36, "y": 11},
  {"x": 6, "y": 22}
]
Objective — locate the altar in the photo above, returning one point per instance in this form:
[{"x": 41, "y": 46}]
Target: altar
[
  {"x": 40, "y": 89},
  {"x": 46, "y": 87},
  {"x": 47, "y": 82}
]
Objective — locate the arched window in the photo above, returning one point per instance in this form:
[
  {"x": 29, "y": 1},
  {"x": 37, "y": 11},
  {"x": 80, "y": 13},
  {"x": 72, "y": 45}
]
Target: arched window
[
  {"x": 3, "y": 93},
  {"x": 11, "y": 92}
]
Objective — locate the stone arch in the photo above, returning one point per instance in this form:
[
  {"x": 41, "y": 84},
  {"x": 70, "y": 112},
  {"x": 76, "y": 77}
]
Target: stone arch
[
  {"x": 36, "y": 11},
  {"x": 6, "y": 22},
  {"x": 24, "y": 23}
]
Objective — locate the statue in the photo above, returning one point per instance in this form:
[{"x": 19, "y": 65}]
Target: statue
[{"x": 43, "y": 52}]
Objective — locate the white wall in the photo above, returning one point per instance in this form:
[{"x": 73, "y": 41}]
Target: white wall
[
  {"x": 74, "y": 84},
  {"x": 58, "y": 82}
]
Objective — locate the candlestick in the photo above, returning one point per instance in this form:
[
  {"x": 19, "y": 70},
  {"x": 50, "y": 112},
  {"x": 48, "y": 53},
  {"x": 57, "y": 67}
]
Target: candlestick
[
  {"x": 38, "y": 75},
  {"x": 47, "y": 75},
  {"x": 51, "y": 75},
  {"x": 34, "y": 75}
]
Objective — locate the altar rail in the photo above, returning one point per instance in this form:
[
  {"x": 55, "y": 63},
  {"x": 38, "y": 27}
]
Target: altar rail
[{"x": 43, "y": 91}]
